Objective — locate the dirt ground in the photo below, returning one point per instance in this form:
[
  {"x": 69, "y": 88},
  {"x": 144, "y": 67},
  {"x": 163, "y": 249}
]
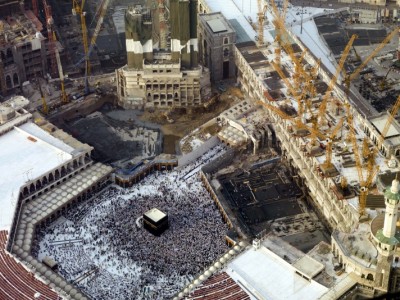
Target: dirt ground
[
  {"x": 187, "y": 121},
  {"x": 184, "y": 120}
]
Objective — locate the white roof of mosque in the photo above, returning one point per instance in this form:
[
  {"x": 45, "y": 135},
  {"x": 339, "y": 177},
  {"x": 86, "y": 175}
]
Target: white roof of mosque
[
  {"x": 26, "y": 152},
  {"x": 267, "y": 276}
]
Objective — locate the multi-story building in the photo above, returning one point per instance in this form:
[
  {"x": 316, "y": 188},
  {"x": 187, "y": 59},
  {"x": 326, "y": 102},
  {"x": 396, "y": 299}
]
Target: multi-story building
[
  {"x": 168, "y": 77},
  {"x": 23, "y": 53},
  {"x": 216, "y": 40}
]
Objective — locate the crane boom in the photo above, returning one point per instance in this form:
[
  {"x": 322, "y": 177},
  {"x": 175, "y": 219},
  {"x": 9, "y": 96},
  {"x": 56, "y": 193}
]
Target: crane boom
[
  {"x": 289, "y": 85},
  {"x": 392, "y": 114},
  {"x": 295, "y": 121},
  {"x": 328, "y": 159},
  {"x": 102, "y": 13},
  {"x": 389, "y": 121},
  {"x": 78, "y": 7},
  {"x": 366, "y": 61},
  {"x": 45, "y": 108},
  {"x": 356, "y": 152},
  {"x": 64, "y": 98},
  {"x": 51, "y": 43},
  {"x": 339, "y": 68},
  {"x": 260, "y": 18}
]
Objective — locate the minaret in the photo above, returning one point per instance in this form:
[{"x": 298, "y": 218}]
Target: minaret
[
  {"x": 392, "y": 206},
  {"x": 387, "y": 236}
]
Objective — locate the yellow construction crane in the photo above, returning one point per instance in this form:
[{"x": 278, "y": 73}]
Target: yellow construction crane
[
  {"x": 339, "y": 68},
  {"x": 365, "y": 148},
  {"x": 289, "y": 85},
  {"x": 282, "y": 38},
  {"x": 77, "y": 9},
  {"x": 392, "y": 114},
  {"x": 45, "y": 108},
  {"x": 349, "y": 78},
  {"x": 295, "y": 121},
  {"x": 315, "y": 69},
  {"x": 262, "y": 9},
  {"x": 343, "y": 182},
  {"x": 63, "y": 96},
  {"x": 329, "y": 142},
  {"x": 278, "y": 27},
  {"x": 372, "y": 170}
]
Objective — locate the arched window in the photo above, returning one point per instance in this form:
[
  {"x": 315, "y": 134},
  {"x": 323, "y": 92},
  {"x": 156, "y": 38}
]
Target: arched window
[
  {"x": 15, "y": 79},
  {"x": 9, "y": 82}
]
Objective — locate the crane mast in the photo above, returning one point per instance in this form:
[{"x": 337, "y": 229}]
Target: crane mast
[
  {"x": 64, "y": 98},
  {"x": 78, "y": 9},
  {"x": 51, "y": 43}
]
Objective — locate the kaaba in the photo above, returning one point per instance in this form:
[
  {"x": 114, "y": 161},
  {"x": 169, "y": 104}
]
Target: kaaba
[{"x": 155, "y": 221}]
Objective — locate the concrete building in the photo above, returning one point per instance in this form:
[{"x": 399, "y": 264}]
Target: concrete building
[
  {"x": 365, "y": 14},
  {"x": 368, "y": 261},
  {"x": 162, "y": 77},
  {"x": 43, "y": 172},
  {"x": 244, "y": 126},
  {"x": 216, "y": 40},
  {"x": 391, "y": 144},
  {"x": 23, "y": 52}
]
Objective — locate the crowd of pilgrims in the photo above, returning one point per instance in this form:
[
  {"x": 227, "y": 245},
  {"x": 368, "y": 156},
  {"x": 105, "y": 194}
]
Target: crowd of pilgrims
[{"x": 102, "y": 247}]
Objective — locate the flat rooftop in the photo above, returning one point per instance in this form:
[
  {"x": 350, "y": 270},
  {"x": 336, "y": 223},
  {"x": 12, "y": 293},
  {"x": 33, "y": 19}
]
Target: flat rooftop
[
  {"x": 268, "y": 276},
  {"x": 216, "y": 22},
  {"x": 380, "y": 121},
  {"x": 26, "y": 152}
]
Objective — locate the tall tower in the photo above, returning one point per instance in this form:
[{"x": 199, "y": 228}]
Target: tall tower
[
  {"x": 183, "y": 15},
  {"x": 387, "y": 236},
  {"x": 174, "y": 21},
  {"x": 162, "y": 21},
  {"x": 194, "y": 59}
]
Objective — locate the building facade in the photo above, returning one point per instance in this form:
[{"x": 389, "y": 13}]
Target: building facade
[
  {"x": 22, "y": 57},
  {"x": 162, "y": 77},
  {"x": 216, "y": 42}
]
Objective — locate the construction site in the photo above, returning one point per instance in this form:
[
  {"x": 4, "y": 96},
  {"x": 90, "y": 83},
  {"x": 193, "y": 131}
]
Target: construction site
[{"x": 267, "y": 132}]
